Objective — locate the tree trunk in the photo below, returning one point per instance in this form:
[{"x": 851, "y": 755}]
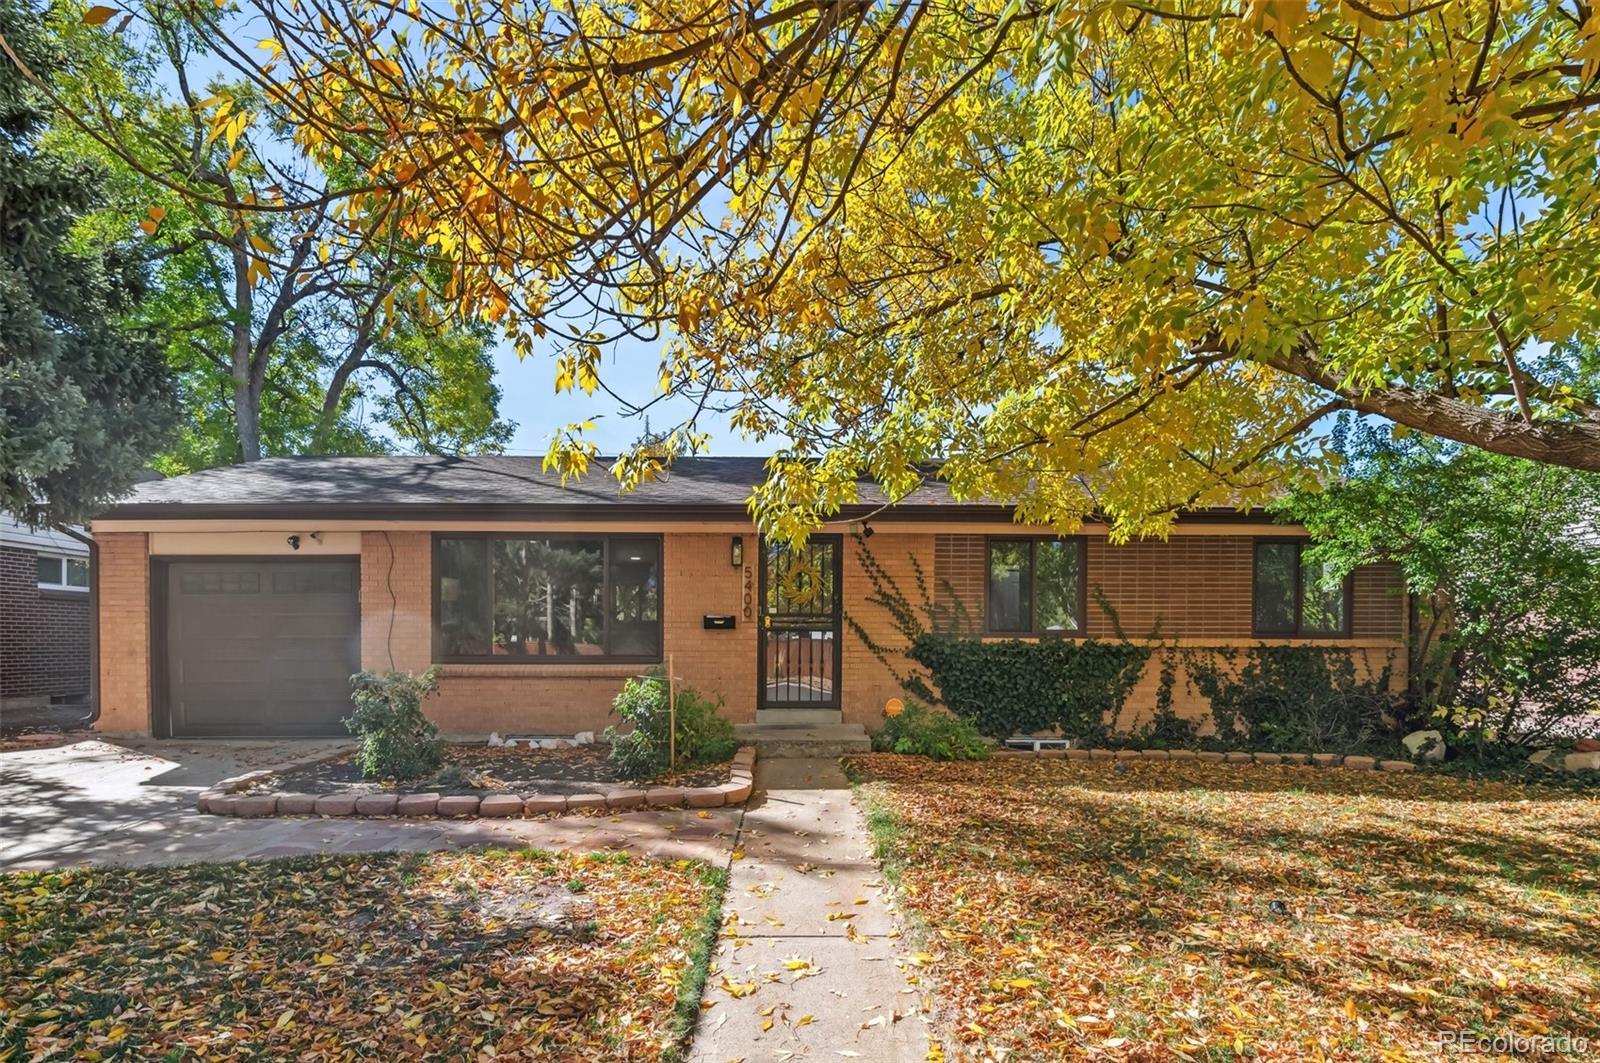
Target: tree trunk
[
  {"x": 246, "y": 381},
  {"x": 246, "y": 406}
]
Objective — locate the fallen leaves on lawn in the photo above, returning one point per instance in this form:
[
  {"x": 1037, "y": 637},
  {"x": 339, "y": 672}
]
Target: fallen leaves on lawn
[
  {"x": 383, "y": 956},
  {"x": 1181, "y": 911}
]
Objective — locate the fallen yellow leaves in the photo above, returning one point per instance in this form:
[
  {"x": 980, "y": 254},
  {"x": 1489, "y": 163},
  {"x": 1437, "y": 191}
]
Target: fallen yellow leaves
[
  {"x": 479, "y": 955},
  {"x": 1165, "y": 912}
]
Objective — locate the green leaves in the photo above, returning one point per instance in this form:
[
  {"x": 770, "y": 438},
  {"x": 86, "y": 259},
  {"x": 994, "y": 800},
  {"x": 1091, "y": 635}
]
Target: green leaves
[
  {"x": 1009, "y": 686},
  {"x": 397, "y": 741}
]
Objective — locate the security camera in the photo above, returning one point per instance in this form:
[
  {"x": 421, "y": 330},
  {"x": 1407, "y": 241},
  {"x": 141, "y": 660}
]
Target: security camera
[{"x": 294, "y": 542}]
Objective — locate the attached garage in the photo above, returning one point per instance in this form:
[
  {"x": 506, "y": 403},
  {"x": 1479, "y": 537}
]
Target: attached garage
[{"x": 252, "y": 647}]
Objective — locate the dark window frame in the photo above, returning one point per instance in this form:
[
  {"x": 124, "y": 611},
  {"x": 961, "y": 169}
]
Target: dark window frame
[
  {"x": 1346, "y": 586},
  {"x": 607, "y": 601},
  {"x": 1033, "y": 630}
]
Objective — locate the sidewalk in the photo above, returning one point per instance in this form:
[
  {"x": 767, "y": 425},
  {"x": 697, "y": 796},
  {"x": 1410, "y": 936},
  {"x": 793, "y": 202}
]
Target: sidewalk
[{"x": 810, "y": 963}]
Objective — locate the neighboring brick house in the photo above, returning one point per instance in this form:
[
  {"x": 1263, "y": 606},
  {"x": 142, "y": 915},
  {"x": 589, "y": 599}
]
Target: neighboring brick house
[
  {"x": 44, "y": 617},
  {"x": 238, "y": 600}
]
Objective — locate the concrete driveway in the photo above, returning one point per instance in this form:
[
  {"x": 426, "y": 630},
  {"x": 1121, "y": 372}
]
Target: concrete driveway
[
  {"x": 132, "y": 802},
  {"x": 54, "y": 797}
]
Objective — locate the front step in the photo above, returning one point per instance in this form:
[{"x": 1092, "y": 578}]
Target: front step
[
  {"x": 823, "y": 740},
  {"x": 797, "y": 717}
]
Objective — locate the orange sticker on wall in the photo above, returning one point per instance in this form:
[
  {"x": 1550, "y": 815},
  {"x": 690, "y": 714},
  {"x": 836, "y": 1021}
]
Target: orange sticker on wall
[{"x": 893, "y": 707}]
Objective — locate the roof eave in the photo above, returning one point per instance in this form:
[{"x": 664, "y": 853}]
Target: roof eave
[{"x": 600, "y": 512}]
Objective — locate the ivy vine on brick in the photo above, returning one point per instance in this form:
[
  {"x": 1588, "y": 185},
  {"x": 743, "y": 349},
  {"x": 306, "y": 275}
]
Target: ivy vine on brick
[{"x": 1005, "y": 686}]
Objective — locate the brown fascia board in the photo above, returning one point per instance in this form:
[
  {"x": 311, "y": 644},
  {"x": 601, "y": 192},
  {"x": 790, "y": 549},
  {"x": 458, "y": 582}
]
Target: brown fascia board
[{"x": 597, "y": 512}]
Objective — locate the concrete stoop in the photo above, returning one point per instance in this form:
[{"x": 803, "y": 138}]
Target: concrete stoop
[{"x": 823, "y": 740}]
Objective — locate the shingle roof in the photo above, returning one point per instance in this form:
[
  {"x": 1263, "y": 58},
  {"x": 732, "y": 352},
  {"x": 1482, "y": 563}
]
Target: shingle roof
[
  {"x": 498, "y": 484},
  {"x": 503, "y": 487}
]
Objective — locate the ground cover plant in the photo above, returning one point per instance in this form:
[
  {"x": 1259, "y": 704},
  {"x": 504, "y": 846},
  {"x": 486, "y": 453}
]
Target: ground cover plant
[
  {"x": 475, "y": 768},
  {"x": 1176, "y": 910},
  {"x": 468, "y": 955},
  {"x": 920, "y": 731}
]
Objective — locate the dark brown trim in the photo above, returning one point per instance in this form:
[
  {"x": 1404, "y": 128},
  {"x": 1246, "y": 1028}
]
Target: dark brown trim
[
  {"x": 836, "y": 702},
  {"x": 605, "y": 538},
  {"x": 1348, "y": 586},
  {"x": 160, "y": 710},
  {"x": 94, "y": 632},
  {"x": 424, "y": 512},
  {"x": 1033, "y": 630}
]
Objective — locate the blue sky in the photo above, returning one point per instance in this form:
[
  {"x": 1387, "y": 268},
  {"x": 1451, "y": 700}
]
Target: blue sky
[{"x": 528, "y": 397}]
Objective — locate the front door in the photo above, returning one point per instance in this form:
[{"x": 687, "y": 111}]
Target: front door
[{"x": 800, "y": 624}]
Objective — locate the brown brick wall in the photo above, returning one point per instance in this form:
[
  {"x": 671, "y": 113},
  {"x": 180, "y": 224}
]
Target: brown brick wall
[
  {"x": 1188, "y": 587},
  {"x": 474, "y": 699},
  {"x": 124, "y": 596},
  {"x": 1378, "y": 603},
  {"x": 867, "y": 682},
  {"x": 958, "y": 580},
  {"x": 44, "y": 635},
  {"x": 1195, "y": 589}
]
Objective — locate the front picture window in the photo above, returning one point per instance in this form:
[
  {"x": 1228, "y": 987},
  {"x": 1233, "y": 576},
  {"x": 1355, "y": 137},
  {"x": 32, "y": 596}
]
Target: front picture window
[{"x": 548, "y": 598}]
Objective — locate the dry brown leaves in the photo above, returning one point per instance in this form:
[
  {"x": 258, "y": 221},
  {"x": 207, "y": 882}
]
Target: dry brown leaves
[
  {"x": 1179, "y": 911},
  {"x": 448, "y": 956}
]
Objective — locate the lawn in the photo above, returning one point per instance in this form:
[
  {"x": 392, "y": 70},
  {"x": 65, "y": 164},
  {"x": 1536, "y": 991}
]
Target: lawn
[
  {"x": 471, "y": 956},
  {"x": 1185, "y": 911}
]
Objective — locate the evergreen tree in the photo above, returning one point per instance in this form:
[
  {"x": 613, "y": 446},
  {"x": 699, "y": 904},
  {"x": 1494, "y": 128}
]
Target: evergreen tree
[{"x": 84, "y": 400}]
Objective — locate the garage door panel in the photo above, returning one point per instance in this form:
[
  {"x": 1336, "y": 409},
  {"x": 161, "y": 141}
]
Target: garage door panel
[{"x": 261, "y": 647}]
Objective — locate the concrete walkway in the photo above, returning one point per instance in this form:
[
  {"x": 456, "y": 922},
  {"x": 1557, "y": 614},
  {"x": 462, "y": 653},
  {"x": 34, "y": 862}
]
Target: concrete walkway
[{"x": 810, "y": 963}]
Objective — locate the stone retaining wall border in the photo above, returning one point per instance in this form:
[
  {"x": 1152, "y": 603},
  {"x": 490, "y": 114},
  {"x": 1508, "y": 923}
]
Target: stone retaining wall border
[
  {"x": 1237, "y": 756},
  {"x": 225, "y": 798}
]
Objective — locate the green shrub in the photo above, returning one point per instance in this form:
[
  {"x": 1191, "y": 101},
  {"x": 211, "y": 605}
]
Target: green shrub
[
  {"x": 642, "y": 752},
  {"x": 1297, "y": 698},
  {"x": 396, "y": 740},
  {"x": 1016, "y": 687},
  {"x": 924, "y": 732}
]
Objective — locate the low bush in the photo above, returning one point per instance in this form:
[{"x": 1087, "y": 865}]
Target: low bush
[
  {"x": 924, "y": 732},
  {"x": 643, "y": 751},
  {"x": 396, "y": 740}
]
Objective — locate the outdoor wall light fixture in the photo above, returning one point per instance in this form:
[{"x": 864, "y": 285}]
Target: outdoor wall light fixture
[{"x": 737, "y": 553}]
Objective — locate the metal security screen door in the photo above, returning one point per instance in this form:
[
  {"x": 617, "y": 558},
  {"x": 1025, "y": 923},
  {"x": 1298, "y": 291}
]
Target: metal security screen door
[{"x": 800, "y": 624}]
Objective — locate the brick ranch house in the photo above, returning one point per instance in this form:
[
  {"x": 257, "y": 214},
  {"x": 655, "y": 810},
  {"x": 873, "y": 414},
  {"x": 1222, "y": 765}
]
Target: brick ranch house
[
  {"x": 237, "y": 601},
  {"x": 44, "y": 618}
]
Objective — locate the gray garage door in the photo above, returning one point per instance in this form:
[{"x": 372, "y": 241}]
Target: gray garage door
[{"x": 260, "y": 647}]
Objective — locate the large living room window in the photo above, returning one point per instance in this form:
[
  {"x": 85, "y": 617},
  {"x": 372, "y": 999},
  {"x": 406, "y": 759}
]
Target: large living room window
[
  {"x": 547, "y": 598},
  {"x": 1035, "y": 586},
  {"x": 1294, "y": 596}
]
